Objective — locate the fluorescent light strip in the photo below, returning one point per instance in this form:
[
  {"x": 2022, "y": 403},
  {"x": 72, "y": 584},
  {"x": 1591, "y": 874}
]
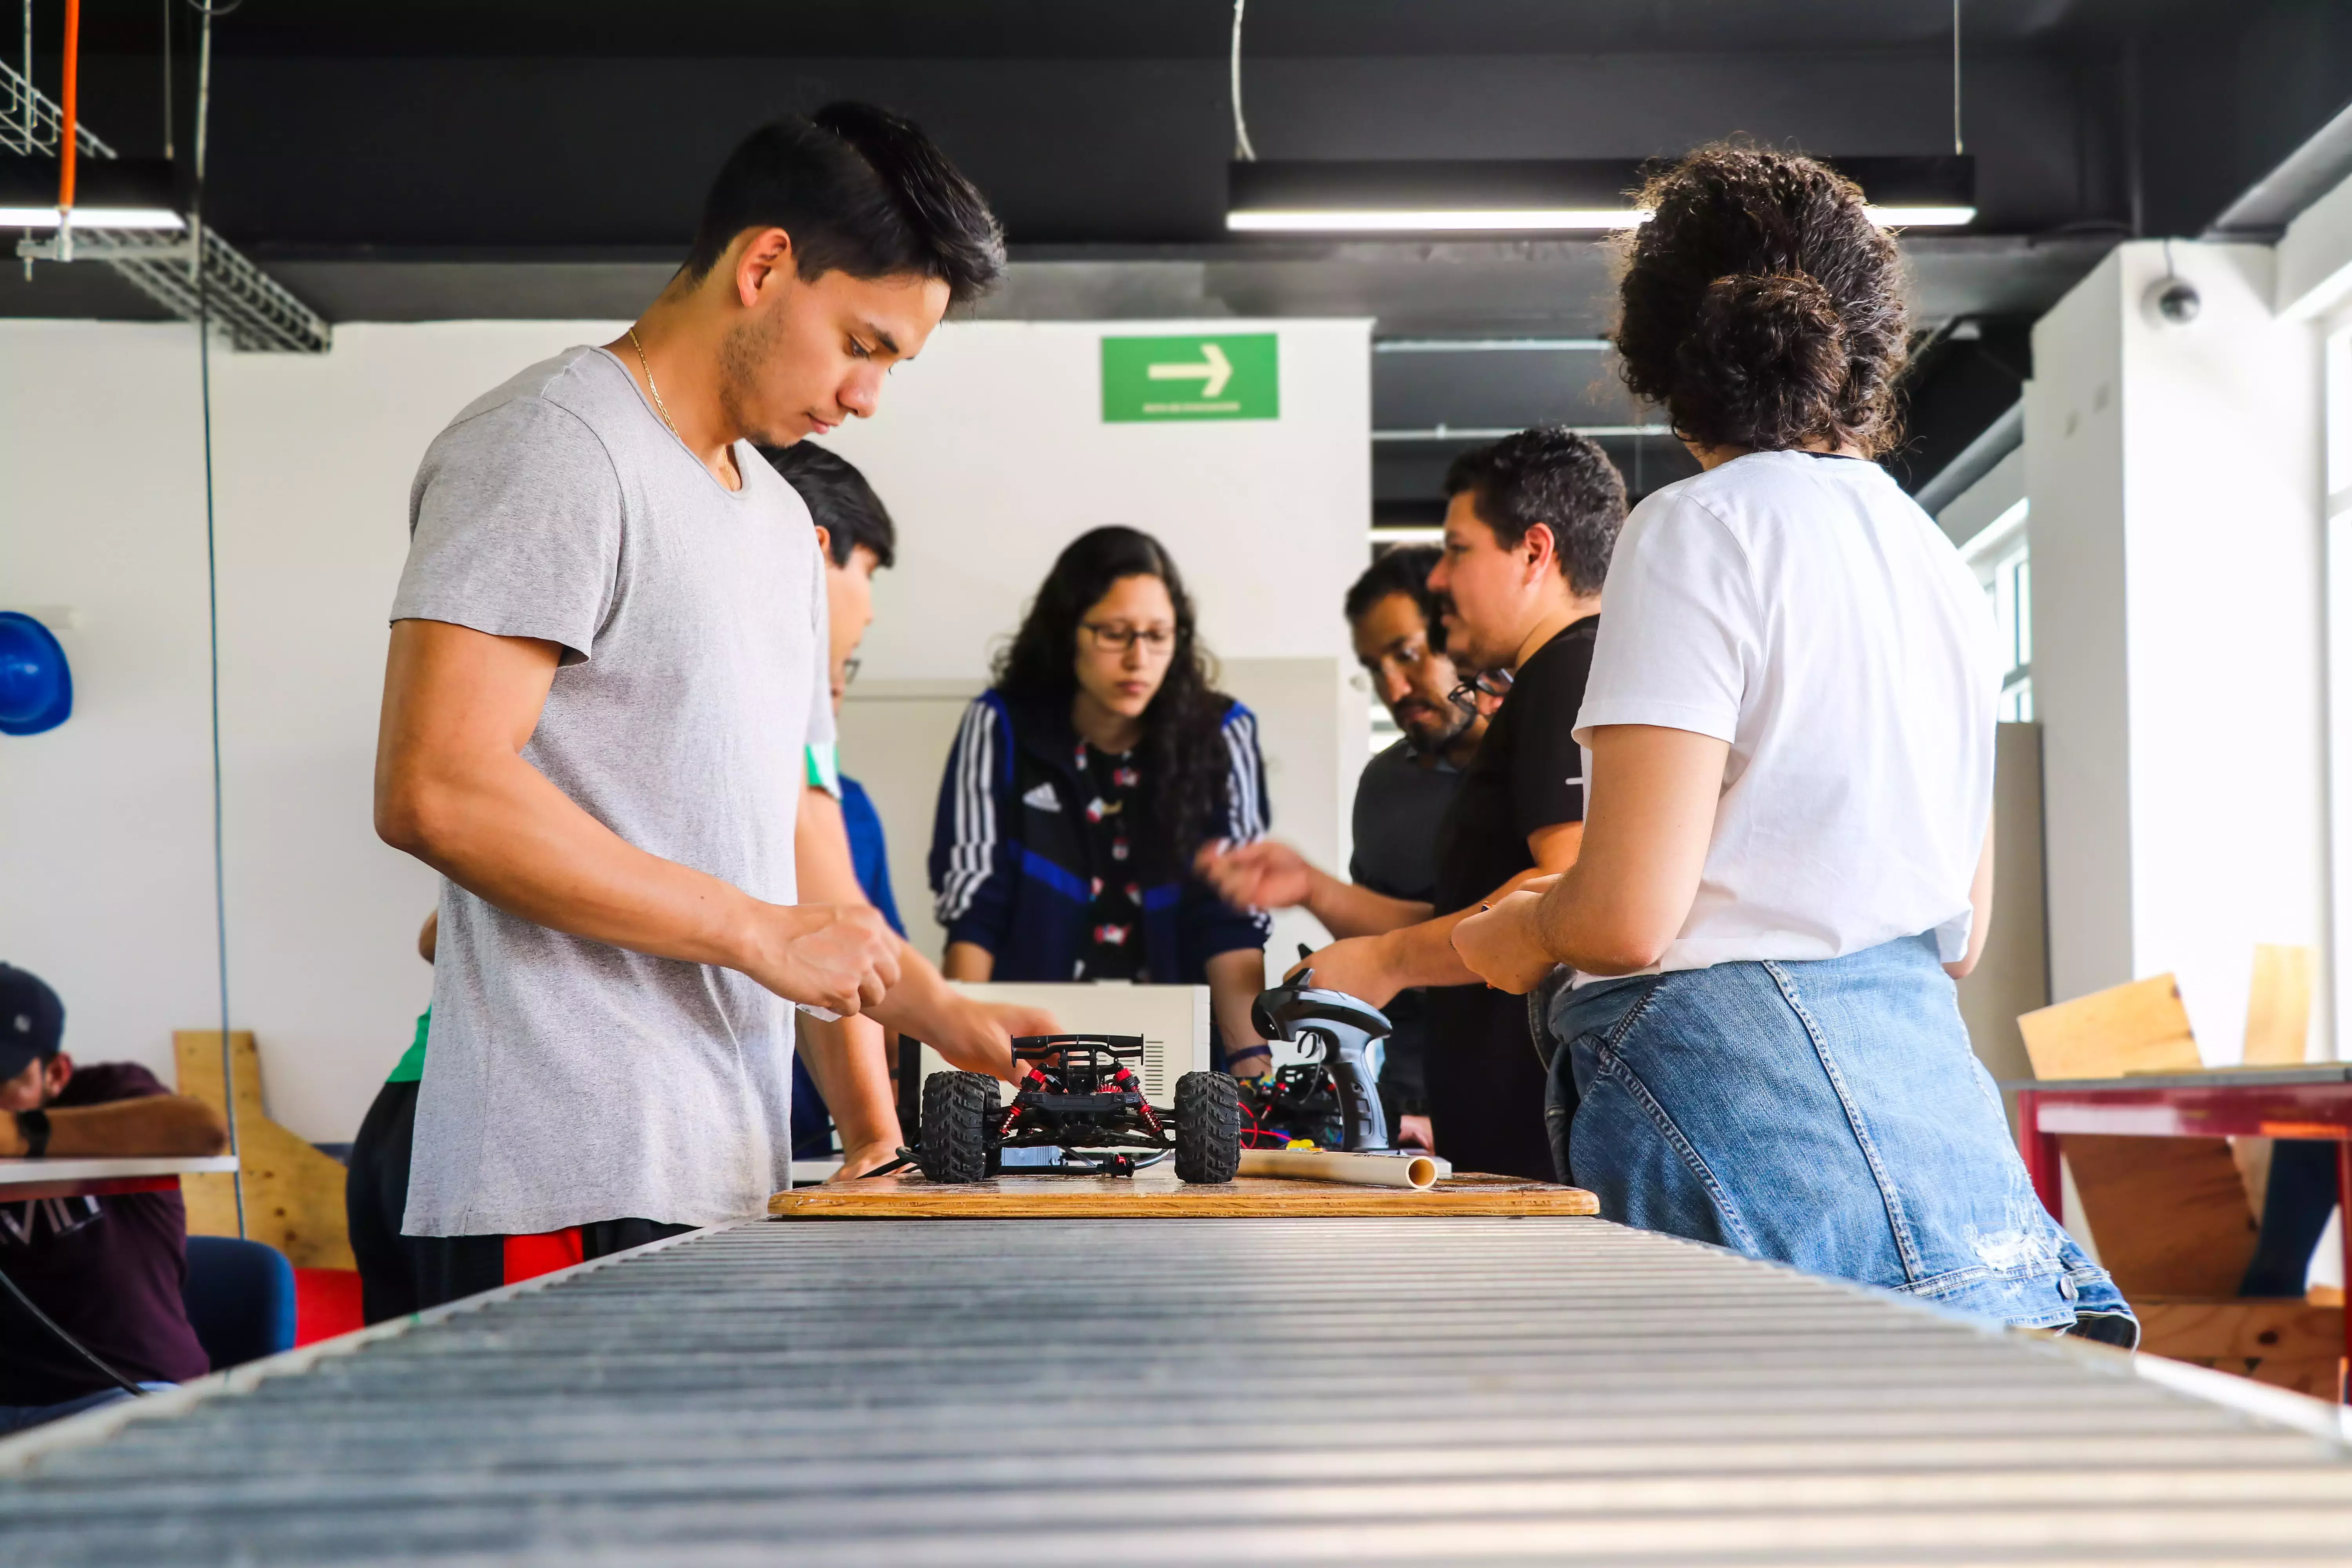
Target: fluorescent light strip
[
  {"x": 1270, "y": 220},
  {"x": 93, "y": 217},
  {"x": 1920, "y": 218},
  {"x": 1533, "y": 219}
]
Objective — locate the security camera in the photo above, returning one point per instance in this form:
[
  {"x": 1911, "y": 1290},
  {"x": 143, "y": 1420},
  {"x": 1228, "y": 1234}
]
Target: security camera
[{"x": 2175, "y": 300}]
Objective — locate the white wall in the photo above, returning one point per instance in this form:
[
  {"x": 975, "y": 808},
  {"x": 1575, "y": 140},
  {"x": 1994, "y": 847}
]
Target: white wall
[
  {"x": 105, "y": 822},
  {"x": 2173, "y": 477}
]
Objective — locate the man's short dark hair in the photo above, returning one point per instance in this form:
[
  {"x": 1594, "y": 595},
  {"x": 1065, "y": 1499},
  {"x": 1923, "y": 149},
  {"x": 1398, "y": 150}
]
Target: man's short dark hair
[
  {"x": 860, "y": 191},
  {"x": 1404, "y": 570},
  {"x": 1553, "y": 476},
  {"x": 839, "y": 501}
]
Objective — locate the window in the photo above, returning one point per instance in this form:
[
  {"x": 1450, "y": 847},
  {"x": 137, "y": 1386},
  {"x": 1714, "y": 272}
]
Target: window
[{"x": 2003, "y": 564}]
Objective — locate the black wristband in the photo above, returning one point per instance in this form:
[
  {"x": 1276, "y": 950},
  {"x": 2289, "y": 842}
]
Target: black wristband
[{"x": 32, "y": 1127}]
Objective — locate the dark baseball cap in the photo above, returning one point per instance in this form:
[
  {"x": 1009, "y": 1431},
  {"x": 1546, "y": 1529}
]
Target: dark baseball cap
[{"x": 32, "y": 1020}]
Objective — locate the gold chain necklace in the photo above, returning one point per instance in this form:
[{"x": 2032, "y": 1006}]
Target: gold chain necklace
[{"x": 659, "y": 406}]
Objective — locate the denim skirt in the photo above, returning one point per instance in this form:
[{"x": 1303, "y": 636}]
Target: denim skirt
[{"x": 1827, "y": 1114}]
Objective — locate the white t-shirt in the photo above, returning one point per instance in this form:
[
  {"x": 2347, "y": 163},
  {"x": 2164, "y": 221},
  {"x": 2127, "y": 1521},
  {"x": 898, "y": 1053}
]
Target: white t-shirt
[{"x": 1803, "y": 609}]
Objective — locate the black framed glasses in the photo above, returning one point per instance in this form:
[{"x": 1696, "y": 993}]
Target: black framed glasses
[
  {"x": 849, "y": 669},
  {"x": 1156, "y": 641},
  {"x": 1492, "y": 684}
]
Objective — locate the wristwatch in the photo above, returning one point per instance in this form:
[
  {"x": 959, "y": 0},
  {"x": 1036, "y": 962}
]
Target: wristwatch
[{"x": 32, "y": 1127}]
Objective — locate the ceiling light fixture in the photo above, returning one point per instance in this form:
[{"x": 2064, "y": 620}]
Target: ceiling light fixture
[{"x": 1536, "y": 197}]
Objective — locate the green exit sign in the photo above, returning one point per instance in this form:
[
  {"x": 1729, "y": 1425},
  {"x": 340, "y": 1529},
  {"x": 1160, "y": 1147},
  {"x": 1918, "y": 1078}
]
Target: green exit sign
[{"x": 1228, "y": 377}]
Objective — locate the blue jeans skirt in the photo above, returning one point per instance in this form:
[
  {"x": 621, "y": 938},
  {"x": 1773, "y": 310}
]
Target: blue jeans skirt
[{"x": 1829, "y": 1115}]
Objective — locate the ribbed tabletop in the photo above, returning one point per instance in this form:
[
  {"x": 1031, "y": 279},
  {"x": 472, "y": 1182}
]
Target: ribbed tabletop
[{"x": 1172, "y": 1390}]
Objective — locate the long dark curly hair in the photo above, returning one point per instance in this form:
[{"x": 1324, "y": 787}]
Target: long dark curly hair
[
  {"x": 1182, "y": 756},
  {"x": 1762, "y": 306}
]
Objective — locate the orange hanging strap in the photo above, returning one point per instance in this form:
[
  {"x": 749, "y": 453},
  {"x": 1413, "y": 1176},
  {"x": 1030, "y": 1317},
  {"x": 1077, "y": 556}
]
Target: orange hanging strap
[{"x": 67, "y": 101}]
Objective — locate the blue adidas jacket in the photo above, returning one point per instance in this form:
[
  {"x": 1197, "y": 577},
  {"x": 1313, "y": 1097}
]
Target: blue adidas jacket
[{"x": 1011, "y": 860}]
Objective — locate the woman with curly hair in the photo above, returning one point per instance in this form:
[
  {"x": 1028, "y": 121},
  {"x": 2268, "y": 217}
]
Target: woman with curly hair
[
  {"x": 1787, "y": 844},
  {"x": 1083, "y": 782}
]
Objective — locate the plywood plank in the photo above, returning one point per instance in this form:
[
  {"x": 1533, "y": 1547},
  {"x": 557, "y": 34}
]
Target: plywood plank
[
  {"x": 293, "y": 1193},
  {"x": 2289, "y": 1328},
  {"x": 1157, "y": 1193},
  {"x": 2138, "y": 1027},
  {"x": 2278, "y": 1006},
  {"x": 2170, "y": 1214}
]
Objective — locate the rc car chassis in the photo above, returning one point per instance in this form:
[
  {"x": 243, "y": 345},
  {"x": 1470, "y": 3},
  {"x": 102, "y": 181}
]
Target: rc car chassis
[{"x": 1081, "y": 1093}]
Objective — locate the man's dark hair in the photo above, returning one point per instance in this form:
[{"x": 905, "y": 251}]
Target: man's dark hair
[
  {"x": 860, "y": 191},
  {"x": 839, "y": 501},
  {"x": 1404, "y": 570},
  {"x": 1553, "y": 476}
]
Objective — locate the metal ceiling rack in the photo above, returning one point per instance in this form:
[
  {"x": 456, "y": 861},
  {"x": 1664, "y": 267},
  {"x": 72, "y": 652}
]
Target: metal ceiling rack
[{"x": 251, "y": 308}]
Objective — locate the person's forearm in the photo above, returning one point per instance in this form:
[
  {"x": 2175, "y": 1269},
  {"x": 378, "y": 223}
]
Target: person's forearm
[
  {"x": 157, "y": 1124},
  {"x": 1236, "y": 979},
  {"x": 848, "y": 1059},
  {"x": 1350, "y": 909},
  {"x": 1423, "y": 954},
  {"x": 969, "y": 961},
  {"x": 925, "y": 1005}
]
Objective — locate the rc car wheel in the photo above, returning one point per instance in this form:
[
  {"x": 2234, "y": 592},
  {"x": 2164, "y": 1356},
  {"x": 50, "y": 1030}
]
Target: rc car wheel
[
  {"x": 961, "y": 1116},
  {"x": 1208, "y": 1128}
]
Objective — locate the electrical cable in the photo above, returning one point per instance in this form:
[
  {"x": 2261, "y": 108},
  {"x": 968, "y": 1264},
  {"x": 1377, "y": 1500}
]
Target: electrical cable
[
  {"x": 70, "y": 1343},
  {"x": 1242, "y": 148},
  {"x": 211, "y": 579},
  {"x": 1957, "y": 147}
]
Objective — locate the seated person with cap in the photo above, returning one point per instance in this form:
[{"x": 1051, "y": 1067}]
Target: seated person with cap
[{"x": 107, "y": 1270}]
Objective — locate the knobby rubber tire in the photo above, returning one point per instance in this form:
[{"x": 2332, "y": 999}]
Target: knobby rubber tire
[
  {"x": 1208, "y": 1128},
  {"x": 959, "y": 1131}
]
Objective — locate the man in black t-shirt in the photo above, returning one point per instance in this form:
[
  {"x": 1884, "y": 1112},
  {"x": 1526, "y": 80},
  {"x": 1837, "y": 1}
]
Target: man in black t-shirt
[
  {"x": 107, "y": 1270},
  {"x": 1529, "y": 525}
]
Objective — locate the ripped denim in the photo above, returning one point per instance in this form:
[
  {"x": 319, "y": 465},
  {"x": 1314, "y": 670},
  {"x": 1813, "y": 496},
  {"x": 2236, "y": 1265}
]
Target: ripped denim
[{"x": 1829, "y": 1115}]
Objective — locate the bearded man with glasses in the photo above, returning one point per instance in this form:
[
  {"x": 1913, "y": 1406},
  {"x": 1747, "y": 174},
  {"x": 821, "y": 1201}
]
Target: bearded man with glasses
[{"x": 1529, "y": 525}]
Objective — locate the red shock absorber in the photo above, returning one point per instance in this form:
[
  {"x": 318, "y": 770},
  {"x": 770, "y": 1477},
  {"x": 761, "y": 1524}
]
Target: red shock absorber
[
  {"x": 1037, "y": 1081},
  {"x": 1126, "y": 1081}
]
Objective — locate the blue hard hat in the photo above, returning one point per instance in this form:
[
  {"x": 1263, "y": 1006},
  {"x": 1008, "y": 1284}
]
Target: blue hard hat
[{"x": 36, "y": 688}]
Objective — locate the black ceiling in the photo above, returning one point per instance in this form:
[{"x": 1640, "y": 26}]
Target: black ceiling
[{"x": 546, "y": 157}]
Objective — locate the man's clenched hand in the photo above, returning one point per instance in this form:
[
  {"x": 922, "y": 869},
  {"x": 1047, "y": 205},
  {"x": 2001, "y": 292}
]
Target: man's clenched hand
[{"x": 840, "y": 957}]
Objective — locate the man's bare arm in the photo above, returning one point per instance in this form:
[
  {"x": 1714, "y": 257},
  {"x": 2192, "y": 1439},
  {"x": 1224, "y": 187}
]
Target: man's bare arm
[
  {"x": 452, "y": 789},
  {"x": 152, "y": 1124}
]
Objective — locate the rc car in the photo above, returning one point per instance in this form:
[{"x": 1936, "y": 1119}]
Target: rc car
[{"x": 1083, "y": 1095}]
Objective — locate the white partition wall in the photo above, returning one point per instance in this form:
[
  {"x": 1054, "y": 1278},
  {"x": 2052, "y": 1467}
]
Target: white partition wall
[{"x": 2173, "y": 472}]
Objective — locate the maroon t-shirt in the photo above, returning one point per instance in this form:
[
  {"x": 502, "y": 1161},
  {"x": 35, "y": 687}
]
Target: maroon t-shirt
[{"x": 107, "y": 1269}]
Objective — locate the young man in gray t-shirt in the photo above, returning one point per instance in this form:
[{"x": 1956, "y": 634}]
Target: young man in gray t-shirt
[{"x": 608, "y": 656}]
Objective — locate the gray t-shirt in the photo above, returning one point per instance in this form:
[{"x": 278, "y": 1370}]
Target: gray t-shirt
[
  {"x": 1398, "y": 804},
  {"x": 568, "y": 1081}
]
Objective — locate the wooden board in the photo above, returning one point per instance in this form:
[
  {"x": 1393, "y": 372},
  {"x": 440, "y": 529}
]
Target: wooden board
[
  {"x": 2138, "y": 1027},
  {"x": 1157, "y": 1193},
  {"x": 2291, "y": 1343},
  {"x": 293, "y": 1193},
  {"x": 2170, "y": 1214},
  {"x": 2278, "y": 1006}
]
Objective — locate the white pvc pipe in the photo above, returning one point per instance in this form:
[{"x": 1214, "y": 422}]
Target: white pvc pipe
[{"x": 1415, "y": 1171}]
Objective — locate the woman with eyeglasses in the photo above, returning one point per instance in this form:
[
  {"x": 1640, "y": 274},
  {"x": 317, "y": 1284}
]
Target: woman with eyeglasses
[
  {"x": 1788, "y": 855},
  {"x": 1081, "y": 784}
]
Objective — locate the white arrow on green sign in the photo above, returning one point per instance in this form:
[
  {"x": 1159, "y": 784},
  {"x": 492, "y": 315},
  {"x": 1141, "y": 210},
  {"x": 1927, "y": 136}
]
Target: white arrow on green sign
[{"x": 1234, "y": 376}]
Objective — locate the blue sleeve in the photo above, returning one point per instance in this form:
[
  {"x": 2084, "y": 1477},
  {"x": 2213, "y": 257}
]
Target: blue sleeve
[
  {"x": 870, "y": 851},
  {"x": 1217, "y": 926},
  {"x": 970, "y": 853}
]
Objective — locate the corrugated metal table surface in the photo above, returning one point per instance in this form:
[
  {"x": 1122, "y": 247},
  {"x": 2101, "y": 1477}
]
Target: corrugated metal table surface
[{"x": 1189, "y": 1391}]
